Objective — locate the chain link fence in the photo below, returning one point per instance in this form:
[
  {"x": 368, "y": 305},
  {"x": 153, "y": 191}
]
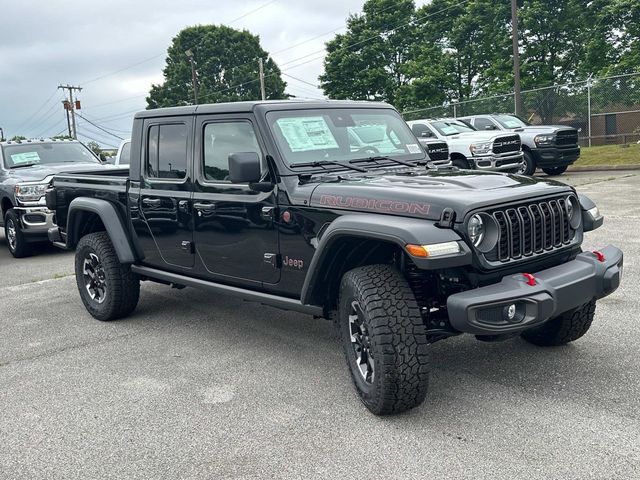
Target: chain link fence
[{"x": 604, "y": 110}]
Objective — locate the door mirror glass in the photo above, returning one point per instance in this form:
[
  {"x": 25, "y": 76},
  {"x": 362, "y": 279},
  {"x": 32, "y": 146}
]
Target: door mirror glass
[
  {"x": 490, "y": 127},
  {"x": 245, "y": 167}
]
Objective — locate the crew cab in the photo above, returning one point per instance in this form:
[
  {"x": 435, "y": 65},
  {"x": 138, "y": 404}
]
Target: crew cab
[
  {"x": 551, "y": 148},
  {"x": 26, "y": 170},
  {"x": 273, "y": 202}
]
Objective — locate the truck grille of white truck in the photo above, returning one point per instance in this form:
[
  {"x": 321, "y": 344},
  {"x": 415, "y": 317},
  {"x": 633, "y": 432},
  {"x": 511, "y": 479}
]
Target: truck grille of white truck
[
  {"x": 567, "y": 138},
  {"x": 507, "y": 144},
  {"x": 531, "y": 229},
  {"x": 438, "y": 151}
]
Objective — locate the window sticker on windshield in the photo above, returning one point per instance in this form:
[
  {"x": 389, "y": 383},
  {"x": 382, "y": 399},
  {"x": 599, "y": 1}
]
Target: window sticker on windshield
[
  {"x": 307, "y": 133},
  {"x": 449, "y": 130},
  {"x": 26, "y": 157},
  {"x": 413, "y": 148}
]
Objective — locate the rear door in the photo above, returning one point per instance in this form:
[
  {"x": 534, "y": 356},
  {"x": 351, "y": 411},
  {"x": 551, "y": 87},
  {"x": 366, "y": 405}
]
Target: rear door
[
  {"x": 234, "y": 233},
  {"x": 165, "y": 230}
]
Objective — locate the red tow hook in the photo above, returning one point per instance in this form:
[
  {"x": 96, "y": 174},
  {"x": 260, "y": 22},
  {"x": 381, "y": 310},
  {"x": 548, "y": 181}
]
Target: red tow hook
[
  {"x": 531, "y": 280},
  {"x": 599, "y": 254}
]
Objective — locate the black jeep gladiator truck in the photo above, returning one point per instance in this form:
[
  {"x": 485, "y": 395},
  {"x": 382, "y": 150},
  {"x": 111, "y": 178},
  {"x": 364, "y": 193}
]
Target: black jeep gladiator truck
[{"x": 271, "y": 202}]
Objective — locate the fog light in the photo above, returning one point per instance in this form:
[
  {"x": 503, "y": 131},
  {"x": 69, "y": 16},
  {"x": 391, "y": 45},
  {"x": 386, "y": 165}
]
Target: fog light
[{"x": 511, "y": 311}]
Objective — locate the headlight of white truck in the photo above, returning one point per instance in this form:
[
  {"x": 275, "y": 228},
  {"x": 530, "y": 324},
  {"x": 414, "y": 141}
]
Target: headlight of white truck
[
  {"x": 480, "y": 148},
  {"x": 544, "y": 140},
  {"x": 30, "y": 192}
]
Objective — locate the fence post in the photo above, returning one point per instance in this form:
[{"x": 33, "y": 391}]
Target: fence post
[
  {"x": 455, "y": 109},
  {"x": 589, "y": 106}
]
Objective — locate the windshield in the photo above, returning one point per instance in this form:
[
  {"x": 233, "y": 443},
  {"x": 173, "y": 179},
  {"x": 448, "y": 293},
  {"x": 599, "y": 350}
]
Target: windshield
[
  {"x": 29, "y": 154},
  {"x": 510, "y": 121},
  {"x": 451, "y": 127},
  {"x": 338, "y": 135}
]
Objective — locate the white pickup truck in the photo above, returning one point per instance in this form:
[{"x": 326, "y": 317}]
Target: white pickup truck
[{"x": 473, "y": 149}]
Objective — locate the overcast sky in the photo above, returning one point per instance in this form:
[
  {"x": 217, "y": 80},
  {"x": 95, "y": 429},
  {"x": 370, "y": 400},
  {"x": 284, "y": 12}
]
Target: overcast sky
[{"x": 47, "y": 42}]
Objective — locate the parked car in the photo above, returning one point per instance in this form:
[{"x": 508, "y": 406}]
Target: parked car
[
  {"x": 471, "y": 149},
  {"x": 271, "y": 202},
  {"x": 438, "y": 151},
  {"x": 551, "y": 148},
  {"x": 26, "y": 170}
]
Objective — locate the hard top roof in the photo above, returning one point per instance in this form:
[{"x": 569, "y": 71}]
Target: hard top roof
[{"x": 247, "y": 107}]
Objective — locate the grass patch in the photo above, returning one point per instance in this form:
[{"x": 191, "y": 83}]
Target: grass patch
[{"x": 610, "y": 155}]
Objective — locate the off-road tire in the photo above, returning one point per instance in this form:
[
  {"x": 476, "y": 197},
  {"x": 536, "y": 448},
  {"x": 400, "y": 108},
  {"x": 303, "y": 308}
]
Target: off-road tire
[
  {"x": 563, "y": 329},
  {"x": 122, "y": 286},
  {"x": 553, "y": 171},
  {"x": 397, "y": 337},
  {"x": 22, "y": 248},
  {"x": 529, "y": 164},
  {"x": 461, "y": 163}
]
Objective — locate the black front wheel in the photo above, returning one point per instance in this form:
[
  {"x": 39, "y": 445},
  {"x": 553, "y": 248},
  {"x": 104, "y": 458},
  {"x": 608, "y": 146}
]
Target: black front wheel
[
  {"x": 552, "y": 171},
  {"x": 108, "y": 289},
  {"x": 564, "y": 328},
  {"x": 384, "y": 339},
  {"x": 461, "y": 163},
  {"x": 16, "y": 241},
  {"x": 528, "y": 165}
]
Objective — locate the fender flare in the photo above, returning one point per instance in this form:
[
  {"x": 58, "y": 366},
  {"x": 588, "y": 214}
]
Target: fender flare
[
  {"x": 399, "y": 231},
  {"x": 112, "y": 221}
]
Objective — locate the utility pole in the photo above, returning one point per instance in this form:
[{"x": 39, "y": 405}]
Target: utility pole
[
  {"x": 1, "y": 134},
  {"x": 194, "y": 76},
  {"x": 262, "y": 91},
  {"x": 516, "y": 58},
  {"x": 72, "y": 108},
  {"x": 66, "y": 106}
]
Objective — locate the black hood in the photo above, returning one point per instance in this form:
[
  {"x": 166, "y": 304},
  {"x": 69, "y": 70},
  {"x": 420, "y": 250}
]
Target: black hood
[
  {"x": 426, "y": 194},
  {"x": 37, "y": 173}
]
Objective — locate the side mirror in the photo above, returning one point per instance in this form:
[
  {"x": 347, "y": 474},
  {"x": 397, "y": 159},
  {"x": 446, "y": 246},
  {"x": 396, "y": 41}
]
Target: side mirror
[
  {"x": 102, "y": 157},
  {"x": 244, "y": 167},
  {"x": 490, "y": 127}
]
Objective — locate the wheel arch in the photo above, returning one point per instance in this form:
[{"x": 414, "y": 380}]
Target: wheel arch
[
  {"x": 5, "y": 205},
  {"x": 364, "y": 239},
  {"x": 91, "y": 215}
]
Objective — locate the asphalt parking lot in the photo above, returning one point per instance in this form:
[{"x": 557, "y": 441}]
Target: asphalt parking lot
[{"x": 192, "y": 386}]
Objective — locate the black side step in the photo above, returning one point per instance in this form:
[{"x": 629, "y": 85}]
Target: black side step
[{"x": 250, "y": 295}]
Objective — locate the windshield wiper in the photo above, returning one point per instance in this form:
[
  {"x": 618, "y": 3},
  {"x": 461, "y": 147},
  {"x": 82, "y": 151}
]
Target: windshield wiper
[
  {"x": 379, "y": 158},
  {"x": 324, "y": 163},
  {"x": 24, "y": 165}
]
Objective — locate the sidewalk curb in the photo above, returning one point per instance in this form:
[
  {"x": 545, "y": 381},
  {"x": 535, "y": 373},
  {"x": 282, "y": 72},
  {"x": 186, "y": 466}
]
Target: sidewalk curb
[{"x": 602, "y": 168}]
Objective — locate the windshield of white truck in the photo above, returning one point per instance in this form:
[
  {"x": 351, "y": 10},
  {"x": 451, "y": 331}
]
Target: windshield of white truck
[
  {"x": 451, "y": 127},
  {"x": 30, "y": 154},
  {"x": 510, "y": 121},
  {"x": 342, "y": 135}
]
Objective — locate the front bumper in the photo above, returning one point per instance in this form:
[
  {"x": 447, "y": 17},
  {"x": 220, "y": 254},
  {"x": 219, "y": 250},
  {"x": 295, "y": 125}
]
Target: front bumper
[
  {"x": 485, "y": 310},
  {"x": 499, "y": 162},
  {"x": 554, "y": 156},
  {"x": 35, "y": 221}
]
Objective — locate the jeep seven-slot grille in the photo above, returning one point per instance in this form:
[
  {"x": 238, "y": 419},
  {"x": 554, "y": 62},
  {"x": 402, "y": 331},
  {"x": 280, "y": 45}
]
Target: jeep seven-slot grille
[
  {"x": 529, "y": 229},
  {"x": 567, "y": 138},
  {"x": 507, "y": 144},
  {"x": 438, "y": 151}
]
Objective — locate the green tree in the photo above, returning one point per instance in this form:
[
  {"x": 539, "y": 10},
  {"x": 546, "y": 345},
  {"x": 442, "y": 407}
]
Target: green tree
[
  {"x": 62, "y": 137},
  {"x": 95, "y": 147},
  {"x": 380, "y": 57},
  {"x": 227, "y": 68},
  {"x": 16, "y": 138}
]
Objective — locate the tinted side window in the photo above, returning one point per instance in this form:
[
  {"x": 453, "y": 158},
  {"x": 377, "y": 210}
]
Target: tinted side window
[
  {"x": 167, "y": 151},
  {"x": 125, "y": 155},
  {"x": 221, "y": 140},
  {"x": 483, "y": 123}
]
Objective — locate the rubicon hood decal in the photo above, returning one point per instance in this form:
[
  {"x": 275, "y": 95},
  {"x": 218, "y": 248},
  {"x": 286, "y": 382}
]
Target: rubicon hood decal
[{"x": 382, "y": 205}]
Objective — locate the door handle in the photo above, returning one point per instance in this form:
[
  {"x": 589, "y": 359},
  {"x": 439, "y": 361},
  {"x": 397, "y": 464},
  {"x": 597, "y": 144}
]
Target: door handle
[
  {"x": 204, "y": 206},
  {"x": 151, "y": 202}
]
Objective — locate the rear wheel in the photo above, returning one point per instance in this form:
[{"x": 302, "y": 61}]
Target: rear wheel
[
  {"x": 108, "y": 289},
  {"x": 555, "y": 170},
  {"x": 16, "y": 241},
  {"x": 528, "y": 165},
  {"x": 563, "y": 329},
  {"x": 384, "y": 339}
]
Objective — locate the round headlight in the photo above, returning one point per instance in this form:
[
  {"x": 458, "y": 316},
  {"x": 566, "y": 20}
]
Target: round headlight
[
  {"x": 475, "y": 230},
  {"x": 574, "y": 212}
]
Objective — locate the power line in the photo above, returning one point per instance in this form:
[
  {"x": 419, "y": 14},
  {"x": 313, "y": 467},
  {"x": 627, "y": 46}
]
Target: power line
[
  {"x": 251, "y": 11},
  {"x": 43, "y": 120},
  {"x": 99, "y": 127},
  {"x": 37, "y": 111},
  {"x": 299, "y": 79}
]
